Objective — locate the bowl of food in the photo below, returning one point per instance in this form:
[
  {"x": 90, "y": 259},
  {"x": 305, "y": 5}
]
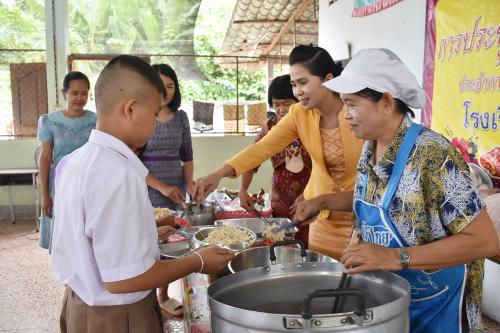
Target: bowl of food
[
  {"x": 261, "y": 228},
  {"x": 232, "y": 237}
]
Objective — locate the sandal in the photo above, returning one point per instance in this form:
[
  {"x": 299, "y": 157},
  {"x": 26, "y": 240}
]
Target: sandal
[{"x": 172, "y": 307}]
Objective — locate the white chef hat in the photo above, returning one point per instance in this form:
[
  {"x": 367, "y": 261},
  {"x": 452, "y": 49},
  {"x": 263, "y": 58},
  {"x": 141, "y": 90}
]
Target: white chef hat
[{"x": 380, "y": 70}]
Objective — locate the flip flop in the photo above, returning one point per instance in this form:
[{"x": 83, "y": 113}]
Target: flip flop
[{"x": 172, "y": 307}]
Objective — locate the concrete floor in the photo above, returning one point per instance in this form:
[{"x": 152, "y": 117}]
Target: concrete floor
[{"x": 30, "y": 298}]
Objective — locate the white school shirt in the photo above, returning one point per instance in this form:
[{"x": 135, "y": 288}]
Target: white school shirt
[{"x": 104, "y": 226}]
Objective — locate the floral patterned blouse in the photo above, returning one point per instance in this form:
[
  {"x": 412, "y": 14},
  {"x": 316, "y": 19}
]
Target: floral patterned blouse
[{"x": 434, "y": 199}]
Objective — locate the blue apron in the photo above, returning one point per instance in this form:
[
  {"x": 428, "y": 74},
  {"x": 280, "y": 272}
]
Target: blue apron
[{"x": 436, "y": 297}]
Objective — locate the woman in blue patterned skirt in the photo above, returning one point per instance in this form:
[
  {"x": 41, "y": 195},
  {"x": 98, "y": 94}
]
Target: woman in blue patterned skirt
[
  {"x": 168, "y": 155},
  {"x": 61, "y": 132}
]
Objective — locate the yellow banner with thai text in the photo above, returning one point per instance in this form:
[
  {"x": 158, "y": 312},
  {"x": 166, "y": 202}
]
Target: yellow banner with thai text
[{"x": 466, "y": 95}]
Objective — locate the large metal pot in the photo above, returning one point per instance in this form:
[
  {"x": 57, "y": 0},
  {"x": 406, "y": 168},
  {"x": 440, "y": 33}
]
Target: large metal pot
[
  {"x": 279, "y": 298},
  {"x": 260, "y": 256},
  {"x": 202, "y": 214}
]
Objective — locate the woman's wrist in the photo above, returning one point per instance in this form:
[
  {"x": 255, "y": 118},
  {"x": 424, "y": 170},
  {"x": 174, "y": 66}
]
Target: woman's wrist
[{"x": 225, "y": 171}]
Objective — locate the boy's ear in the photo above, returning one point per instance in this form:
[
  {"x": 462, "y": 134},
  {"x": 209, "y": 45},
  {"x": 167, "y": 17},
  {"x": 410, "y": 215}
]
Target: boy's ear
[{"x": 128, "y": 108}]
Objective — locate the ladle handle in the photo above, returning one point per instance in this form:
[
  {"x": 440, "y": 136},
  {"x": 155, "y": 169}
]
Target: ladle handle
[
  {"x": 355, "y": 239},
  {"x": 272, "y": 253}
]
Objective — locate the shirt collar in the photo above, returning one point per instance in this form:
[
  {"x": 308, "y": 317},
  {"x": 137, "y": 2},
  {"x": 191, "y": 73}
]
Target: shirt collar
[
  {"x": 108, "y": 141},
  {"x": 383, "y": 169}
]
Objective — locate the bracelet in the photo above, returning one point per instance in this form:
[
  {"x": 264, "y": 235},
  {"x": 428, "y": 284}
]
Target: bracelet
[{"x": 202, "y": 263}]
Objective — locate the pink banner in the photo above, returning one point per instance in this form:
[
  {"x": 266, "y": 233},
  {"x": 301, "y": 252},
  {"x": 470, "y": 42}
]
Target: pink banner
[
  {"x": 429, "y": 51},
  {"x": 368, "y": 7}
]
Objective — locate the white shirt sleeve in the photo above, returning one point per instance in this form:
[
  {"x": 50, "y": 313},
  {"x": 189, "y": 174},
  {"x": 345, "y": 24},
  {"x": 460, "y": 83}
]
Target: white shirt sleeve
[{"x": 120, "y": 224}]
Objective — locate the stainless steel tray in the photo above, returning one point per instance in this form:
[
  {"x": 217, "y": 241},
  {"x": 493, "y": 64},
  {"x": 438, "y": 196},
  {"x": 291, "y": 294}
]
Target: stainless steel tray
[{"x": 177, "y": 249}]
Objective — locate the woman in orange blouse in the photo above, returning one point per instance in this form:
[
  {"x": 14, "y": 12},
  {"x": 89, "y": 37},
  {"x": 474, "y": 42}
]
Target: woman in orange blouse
[{"x": 318, "y": 121}]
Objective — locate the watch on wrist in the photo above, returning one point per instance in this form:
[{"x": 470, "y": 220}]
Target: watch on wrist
[{"x": 404, "y": 257}]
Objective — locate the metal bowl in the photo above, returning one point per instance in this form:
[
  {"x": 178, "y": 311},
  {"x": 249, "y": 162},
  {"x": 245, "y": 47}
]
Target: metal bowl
[
  {"x": 198, "y": 214},
  {"x": 176, "y": 249},
  {"x": 200, "y": 235},
  {"x": 258, "y": 226},
  {"x": 259, "y": 257}
]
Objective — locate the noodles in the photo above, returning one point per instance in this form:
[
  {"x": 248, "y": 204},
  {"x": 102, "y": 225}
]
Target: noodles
[
  {"x": 273, "y": 236},
  {"x": 228, "y": 235},
  {"x": 161, "y": 213}
]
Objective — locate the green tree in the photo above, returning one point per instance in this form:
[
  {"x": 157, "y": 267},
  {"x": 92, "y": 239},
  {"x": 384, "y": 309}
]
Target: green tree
[
  {"x": 22, "y": 27},
  {"x": 137, "y": 26}
]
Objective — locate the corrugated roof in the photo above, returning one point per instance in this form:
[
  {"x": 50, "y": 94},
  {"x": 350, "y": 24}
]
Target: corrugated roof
[{"x": 255, "y": 24}]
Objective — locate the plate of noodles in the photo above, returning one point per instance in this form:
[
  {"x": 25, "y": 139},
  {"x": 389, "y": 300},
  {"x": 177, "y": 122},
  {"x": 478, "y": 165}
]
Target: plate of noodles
[{"x": 232, "y": 237}]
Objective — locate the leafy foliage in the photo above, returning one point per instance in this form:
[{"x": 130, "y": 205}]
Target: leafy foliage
[
  {"x": 22, "y": 27},
  {"x": 137, "y": 27}
]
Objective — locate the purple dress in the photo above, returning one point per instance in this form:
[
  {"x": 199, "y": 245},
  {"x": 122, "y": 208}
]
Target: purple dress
[{"x": 166, "y": 149}]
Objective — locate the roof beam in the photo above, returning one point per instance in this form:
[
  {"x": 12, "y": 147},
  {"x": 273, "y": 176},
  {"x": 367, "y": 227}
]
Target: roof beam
[
  {"x": 273, "y": 21},
  {"x": 287, "y": 25}
]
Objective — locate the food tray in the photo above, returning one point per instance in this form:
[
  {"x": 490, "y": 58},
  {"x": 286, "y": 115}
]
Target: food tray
[{"x": 178, "y": 249}]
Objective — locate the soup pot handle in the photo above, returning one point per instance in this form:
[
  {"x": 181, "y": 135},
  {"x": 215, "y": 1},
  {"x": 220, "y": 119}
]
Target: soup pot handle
[
  {"x": 320, "y": 293},
  {"x": 272, "y": 253}
]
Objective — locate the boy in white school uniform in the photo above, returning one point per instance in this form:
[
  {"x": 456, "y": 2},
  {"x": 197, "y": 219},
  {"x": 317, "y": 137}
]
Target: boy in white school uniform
[{"x": 105, "y": 239}]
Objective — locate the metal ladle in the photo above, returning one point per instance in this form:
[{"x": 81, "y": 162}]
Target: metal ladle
[{"x": 344, "y": 282}]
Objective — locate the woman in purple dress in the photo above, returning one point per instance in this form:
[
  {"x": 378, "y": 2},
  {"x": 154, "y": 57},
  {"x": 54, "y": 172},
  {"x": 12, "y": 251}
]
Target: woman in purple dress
[{"x": 168, "y": 155}]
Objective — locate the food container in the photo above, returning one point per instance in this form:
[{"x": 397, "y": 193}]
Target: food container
[
  {"x": 199, "y": 237},
  {"x": 258, "y": 226},
  {"x": 180, "y": 243},
  {"x": 298, "y": 297},
  {"x": 202, "y": 214}
]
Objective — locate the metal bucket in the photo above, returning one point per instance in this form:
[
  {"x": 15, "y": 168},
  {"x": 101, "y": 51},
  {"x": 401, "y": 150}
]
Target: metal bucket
[{"x": 299, "y": 297}]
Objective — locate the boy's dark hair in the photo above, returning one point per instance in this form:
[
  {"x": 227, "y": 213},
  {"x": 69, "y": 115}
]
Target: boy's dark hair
[
  {"x": 375, "y": 96},
  {"x": 166, "y": 70},
  {"x": 316, "y": 59},
  {"x": 134, "y": 64},
  {"x": 280, "y": 88},
  {"x": 72, "y": 76}
]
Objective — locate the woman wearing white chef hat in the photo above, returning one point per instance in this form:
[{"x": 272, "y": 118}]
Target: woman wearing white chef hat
[{"x": 415, "y": 206}]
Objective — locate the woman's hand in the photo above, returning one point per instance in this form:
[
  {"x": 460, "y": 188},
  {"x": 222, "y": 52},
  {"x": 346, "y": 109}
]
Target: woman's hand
[
  {"x": 246, "y": 202},
  {"x": 172, "y": 192},
  {"x": 214, "y": 258},
  {"x": 47, "y": 205},
  {"x": 293, "y": 208},
  {"x": 307, "y": 208},
  {"x": 204, "y": 186},
  {"x": 366, "y": 257}
]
